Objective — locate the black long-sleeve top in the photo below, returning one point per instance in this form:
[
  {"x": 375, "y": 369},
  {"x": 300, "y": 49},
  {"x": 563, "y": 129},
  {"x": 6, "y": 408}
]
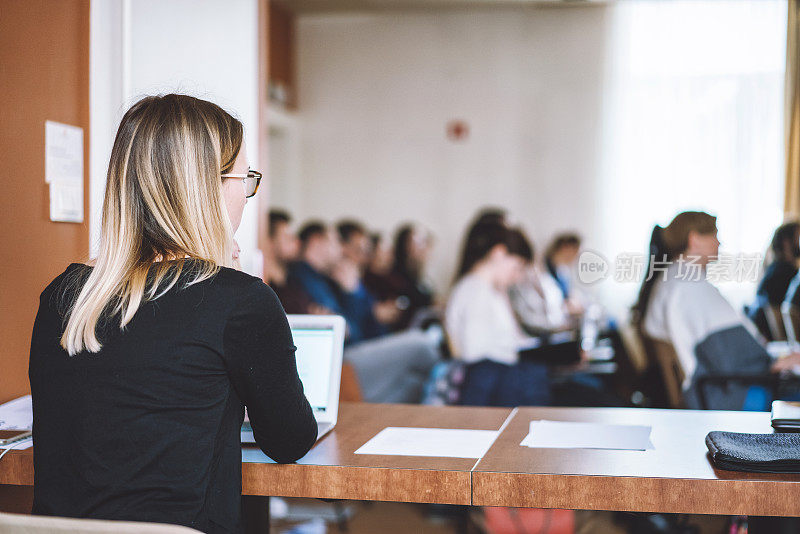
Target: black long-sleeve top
[{"x": 148, "y": 428}]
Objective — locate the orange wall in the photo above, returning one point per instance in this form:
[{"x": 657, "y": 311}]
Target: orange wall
[
  {"x": 44, "y": 75},
  {"x": 281, "y": 50}
]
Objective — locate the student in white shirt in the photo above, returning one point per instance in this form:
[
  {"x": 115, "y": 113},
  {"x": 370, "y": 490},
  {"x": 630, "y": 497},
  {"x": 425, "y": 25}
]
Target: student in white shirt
[
  {"x": 482, "y": 328},
  {"x": 679, "y": 305},
  {"x": 539, "y": 303}
]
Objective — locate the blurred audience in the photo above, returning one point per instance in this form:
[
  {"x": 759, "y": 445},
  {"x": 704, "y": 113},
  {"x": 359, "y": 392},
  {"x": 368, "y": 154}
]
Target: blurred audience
[
  {"x": 331, "y": 283},
  {"x": 508, "y": 318}
]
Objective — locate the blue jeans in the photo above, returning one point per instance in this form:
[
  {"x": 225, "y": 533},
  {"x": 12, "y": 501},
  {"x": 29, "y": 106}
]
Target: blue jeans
[{"x": 490, "y": 383}]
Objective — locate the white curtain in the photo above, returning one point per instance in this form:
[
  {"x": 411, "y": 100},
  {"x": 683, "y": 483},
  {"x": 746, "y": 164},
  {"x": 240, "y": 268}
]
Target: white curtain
[{"x": 693, "y": 120}]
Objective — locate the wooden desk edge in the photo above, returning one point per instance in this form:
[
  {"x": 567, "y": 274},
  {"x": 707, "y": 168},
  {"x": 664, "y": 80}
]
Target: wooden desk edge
[
  {"x": 637, "y": 494},
  {"x": 360, "y": 483},
  {"x": 16, "y": 468}
]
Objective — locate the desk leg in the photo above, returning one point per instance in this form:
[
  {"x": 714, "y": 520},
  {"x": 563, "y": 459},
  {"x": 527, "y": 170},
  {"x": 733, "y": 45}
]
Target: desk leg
[{"x": 255, "y": 514}]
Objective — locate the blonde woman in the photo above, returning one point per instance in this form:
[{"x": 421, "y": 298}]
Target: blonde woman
[{"x": 141, "y": 365}]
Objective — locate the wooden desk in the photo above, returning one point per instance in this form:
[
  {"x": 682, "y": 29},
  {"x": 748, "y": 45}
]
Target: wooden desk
[
  {"x": 331, "y": 470},
  {"x": 676, "y": 477}
]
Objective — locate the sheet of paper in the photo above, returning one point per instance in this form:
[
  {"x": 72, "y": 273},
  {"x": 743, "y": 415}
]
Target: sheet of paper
[
  {"x": 63, "y": 153},
  {"x": 572, "y": 435},
  {"x": 66, "y": 202},
  {"x": 63, "y": 170},
  {"x": 17, "y": 414},
  {"x": 440, "y": 442}
]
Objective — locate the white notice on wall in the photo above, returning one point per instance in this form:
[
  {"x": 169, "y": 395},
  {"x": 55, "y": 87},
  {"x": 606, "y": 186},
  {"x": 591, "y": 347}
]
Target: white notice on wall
[
  {"x": 63, "y": 170},
  {"x": 66, "y": 202}
]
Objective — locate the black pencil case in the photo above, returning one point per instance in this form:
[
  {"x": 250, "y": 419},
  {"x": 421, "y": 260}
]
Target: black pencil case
[{"x": 758, "y": 453}]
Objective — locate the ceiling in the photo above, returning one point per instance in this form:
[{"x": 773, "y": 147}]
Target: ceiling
[{"x": 333, "y": 6}]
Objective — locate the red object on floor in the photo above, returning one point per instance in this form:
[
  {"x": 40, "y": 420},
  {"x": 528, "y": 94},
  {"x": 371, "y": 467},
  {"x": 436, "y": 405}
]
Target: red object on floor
[{"x": 532, "y": 520}]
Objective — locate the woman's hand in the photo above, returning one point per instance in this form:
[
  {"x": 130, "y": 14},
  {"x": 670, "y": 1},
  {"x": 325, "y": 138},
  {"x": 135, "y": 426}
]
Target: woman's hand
[
  {"x": 786, "y": 363},
  {"x": 346, "y": 274}
]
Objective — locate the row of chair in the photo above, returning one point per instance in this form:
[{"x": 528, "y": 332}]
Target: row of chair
[
  {"x": 662, "y": 354},
  {"x": 783, "y": 322}
]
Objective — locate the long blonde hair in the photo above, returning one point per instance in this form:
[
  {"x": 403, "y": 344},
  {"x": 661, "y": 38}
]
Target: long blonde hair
[{"x": 163, "y": 202}]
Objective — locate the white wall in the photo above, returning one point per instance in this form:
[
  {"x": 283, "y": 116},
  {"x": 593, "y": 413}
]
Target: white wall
[
  {"x": 205, "y": 48},
  {"x": 106, "y": 95},
  {"x": 376, "y": 92}
]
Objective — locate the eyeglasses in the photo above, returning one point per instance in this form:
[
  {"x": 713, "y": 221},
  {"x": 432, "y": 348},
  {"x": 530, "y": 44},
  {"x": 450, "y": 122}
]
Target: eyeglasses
[{"x": 251, "y": 181}]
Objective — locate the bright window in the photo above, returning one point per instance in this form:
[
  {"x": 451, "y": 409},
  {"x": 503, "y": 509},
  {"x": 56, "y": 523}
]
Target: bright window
[{"x": 694, "y": 120}]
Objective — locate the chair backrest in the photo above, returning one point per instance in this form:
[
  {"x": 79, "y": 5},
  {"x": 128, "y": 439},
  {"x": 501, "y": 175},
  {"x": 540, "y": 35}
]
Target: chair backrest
[
  {"x": 791, "y": 321},
  {"x": 672, "y": 372},
  {"x": 32, "y": 524},
  {"x": 350, "y": 390},
  {"x": 775, "y": 322}
]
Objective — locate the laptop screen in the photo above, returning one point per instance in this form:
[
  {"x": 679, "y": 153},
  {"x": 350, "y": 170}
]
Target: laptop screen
[{"x": 314, "y": 360}]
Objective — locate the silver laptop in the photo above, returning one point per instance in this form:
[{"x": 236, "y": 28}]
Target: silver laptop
[{"x": 320, "y": 342}]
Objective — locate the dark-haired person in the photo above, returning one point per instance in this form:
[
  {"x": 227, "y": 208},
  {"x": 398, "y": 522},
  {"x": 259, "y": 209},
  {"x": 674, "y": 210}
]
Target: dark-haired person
[
  {"x": 381, "y": 314},
  {"x": 480, "y": 222},
  {"x": 284, "y": 247},
  {"x": 376, "y": 275},
  {"x": 683, "y": 308},
  {"x": 482, "y": 329},
  {"x": 333, "y": 284},
  {"x": 355, "y": 242},
  {"x": 142, "y": 363},
  {"x": 412, "y": 248},
  {"x": 774, "y": 287},
  {"x": 390, "y": 368},
  {"x": 559, "y": 260}
]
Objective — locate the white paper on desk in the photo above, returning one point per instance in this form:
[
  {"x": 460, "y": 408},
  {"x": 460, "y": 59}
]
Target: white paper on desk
[
  {"x": 572, "y": 435},
  {"x": 441, "y": 442},
  {"x": 17, "y": 414}
]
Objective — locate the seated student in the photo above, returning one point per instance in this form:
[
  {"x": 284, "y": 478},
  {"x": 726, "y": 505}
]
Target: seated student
[
  {"x": 142, "y": 364},
  {"x": 332, "y": 284},
  {"x": 284, "y": 247},
  {"x": 482, "y": 328},
  {"x": 539, "y": 303},
  {"x": 484, "y": 216},
  {"x": 377, "y": 274},
  {"x": 412, "y": 248},
  {"x": 356, "y": 255},
  {"x": 559, "y": 260},
  {"x": 403, "y": 280},
  {"x": 774, "y": 286},
  {"x": 682, "y": 307}
]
